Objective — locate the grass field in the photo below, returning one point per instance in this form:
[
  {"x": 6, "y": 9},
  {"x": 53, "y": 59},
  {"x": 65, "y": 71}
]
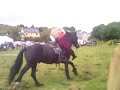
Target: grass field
[{"x": 92, "y": 65}]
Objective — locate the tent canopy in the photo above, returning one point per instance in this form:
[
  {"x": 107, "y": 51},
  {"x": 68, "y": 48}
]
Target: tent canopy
[{"x": 4, "y": 39}]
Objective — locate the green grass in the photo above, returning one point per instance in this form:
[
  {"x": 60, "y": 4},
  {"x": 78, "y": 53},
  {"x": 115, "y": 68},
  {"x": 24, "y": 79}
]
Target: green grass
[{"x": 92, "y": 65}]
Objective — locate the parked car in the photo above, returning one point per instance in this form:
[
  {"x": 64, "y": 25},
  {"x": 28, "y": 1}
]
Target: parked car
[
  {"x": 6, "y": 46},
  {"x": 3, "y": 46}
]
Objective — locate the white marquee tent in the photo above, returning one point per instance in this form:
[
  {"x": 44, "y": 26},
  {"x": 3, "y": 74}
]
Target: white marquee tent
[{"x": 4, "y": 39}]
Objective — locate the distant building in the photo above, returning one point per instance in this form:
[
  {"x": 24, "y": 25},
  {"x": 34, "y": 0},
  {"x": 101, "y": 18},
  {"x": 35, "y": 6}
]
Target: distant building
[
  {"x": 29, "y": 32},
  {"x": 82, "y": 36}
]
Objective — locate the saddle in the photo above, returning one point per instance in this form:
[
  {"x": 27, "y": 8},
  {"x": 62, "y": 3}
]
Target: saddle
[{"x": 56, "y": 49}]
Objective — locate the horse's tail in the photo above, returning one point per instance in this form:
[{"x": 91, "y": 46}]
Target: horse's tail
[{"x": 16, "y": 67}]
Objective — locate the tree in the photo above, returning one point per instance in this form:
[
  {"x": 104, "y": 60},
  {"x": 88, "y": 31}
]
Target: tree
[
  {"x": 14, "y": 33},
  {"x": 66, "y": 28},
  {"x": 32, "y": 26},
  {"x": 44, "y": 35},
  {"x": 106, "y": 32},
  {"x": 98, "y": 32},
  {"x": 111, "y": 32},
  {"x": 21, "y": 25},
  {"x": 69, "y": 28},
  {"x": 72, "y": 28}
]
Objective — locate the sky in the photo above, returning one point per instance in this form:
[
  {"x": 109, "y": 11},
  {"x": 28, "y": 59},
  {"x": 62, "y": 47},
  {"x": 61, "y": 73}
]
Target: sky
[{"x": 82, "y": 14}]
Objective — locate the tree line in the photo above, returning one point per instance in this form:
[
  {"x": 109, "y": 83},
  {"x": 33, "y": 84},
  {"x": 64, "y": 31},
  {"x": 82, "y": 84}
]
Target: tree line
[{"x": 106, "y": 32}]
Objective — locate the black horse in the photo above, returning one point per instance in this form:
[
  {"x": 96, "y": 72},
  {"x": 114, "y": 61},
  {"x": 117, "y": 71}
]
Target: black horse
[{"x": 41, "y": 53}]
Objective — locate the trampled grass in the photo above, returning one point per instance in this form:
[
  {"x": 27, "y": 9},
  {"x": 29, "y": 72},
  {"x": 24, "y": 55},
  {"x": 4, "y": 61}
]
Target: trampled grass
[{"x": 92, "y": 65}]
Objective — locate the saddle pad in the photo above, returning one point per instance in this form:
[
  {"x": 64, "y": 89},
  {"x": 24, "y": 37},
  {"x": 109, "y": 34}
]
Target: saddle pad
[{"x": 57, "y": 50}]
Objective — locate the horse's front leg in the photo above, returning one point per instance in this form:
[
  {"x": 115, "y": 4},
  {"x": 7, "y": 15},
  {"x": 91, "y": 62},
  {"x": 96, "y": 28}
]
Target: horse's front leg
[{"x": 74, "y": 69}]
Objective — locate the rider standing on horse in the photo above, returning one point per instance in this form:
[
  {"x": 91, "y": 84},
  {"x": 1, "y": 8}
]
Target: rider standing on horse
[{"x": 59, "y": 35}]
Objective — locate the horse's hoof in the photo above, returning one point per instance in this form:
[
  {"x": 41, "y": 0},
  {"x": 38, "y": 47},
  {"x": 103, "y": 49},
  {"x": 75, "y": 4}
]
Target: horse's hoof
[
  {"x": 76, "y": 73},
  {"x": 69, "y": 78},
  {"x": 15, "y": 86},
  {"x": 38, "y": 85}
]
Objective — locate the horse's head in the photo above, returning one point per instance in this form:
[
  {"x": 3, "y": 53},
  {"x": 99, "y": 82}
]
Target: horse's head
[{"x": 72, "y": 36}]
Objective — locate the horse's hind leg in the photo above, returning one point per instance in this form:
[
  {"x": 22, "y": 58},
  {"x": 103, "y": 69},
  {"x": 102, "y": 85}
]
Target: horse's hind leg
[
  {"x": 23, "y": 71},
  {"x": 33, "y": 74}
]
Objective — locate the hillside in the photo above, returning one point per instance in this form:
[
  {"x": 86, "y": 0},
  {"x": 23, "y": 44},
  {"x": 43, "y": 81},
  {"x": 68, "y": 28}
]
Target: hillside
[
  {"x": 13, "y": 31},
  {"x": 8, "y": 28}
]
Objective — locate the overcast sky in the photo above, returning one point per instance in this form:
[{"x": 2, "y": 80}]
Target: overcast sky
[{"x": 82, "y": 14}]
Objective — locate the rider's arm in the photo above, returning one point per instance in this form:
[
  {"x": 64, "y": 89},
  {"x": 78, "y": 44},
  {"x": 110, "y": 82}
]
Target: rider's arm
[
  {"x": 63, "y": 31},
  {"x": 52, "y": 38}
]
